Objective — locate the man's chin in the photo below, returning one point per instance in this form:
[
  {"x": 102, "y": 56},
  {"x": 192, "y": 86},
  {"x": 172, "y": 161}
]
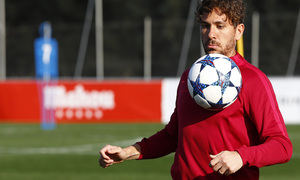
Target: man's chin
[{"x": 213, "y": 52}]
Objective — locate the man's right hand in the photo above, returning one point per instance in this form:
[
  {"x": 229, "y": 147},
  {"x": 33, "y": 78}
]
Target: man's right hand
[{"x": 110, "y": 155}]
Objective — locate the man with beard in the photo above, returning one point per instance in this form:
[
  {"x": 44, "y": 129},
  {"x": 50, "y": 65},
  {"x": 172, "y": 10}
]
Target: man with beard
[{"x": 229, "y": 144}]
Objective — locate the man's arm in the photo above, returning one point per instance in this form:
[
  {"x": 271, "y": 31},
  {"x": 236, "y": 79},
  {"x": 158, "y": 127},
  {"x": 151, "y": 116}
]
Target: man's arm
[
  {"x": 110, "y": 155},
  {"x": 262, "y": 109}
]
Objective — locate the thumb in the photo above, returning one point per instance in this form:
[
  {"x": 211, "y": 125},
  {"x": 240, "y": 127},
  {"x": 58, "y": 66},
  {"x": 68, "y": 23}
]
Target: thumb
[{"x": 212, "y": 156}]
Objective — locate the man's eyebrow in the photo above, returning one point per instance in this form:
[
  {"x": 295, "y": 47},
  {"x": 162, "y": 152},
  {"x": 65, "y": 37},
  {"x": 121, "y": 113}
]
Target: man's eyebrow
[
  {"x": 216, "y": 22},
  {"x": 219, "y": 22}
]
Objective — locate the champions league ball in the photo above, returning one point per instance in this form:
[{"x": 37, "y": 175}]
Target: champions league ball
[{"x": 214, "y": 81}]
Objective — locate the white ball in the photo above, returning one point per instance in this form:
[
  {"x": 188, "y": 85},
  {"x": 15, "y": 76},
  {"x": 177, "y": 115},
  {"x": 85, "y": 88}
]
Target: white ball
[{"x": 214, "y": 81}]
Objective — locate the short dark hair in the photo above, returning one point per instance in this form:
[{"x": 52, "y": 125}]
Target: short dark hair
[{"x": 235, "y": 10}]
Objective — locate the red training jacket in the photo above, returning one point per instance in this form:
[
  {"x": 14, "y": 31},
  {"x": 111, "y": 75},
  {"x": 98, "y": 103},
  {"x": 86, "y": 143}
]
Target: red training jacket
[{"x": 253, "y": 126}]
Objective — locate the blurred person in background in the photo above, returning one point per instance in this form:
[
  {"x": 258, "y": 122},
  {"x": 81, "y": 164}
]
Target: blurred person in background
[{"x": 229, "y": 144}]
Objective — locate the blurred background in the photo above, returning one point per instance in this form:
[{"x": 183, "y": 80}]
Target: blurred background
[
  {"x": 142, "y": 39},
  {"x": 123, "y": 36}
]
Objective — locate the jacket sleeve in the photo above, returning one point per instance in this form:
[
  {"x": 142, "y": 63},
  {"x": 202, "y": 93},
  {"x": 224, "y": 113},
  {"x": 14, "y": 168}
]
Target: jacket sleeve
[
  {"x": 162, "y": 143},
  {"x": 262, "y": 108},
  {"x": 165, "y": 141}
]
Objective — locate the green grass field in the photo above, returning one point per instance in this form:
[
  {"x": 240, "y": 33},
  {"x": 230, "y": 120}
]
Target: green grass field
[{"x": 71, "y": 152}]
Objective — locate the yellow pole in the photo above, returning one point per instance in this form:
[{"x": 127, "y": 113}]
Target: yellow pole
[{"x": 240, "y": 46}]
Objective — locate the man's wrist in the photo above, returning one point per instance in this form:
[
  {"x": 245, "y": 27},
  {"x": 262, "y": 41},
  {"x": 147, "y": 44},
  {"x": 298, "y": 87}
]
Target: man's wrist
[{"x": 132, "y": 152}]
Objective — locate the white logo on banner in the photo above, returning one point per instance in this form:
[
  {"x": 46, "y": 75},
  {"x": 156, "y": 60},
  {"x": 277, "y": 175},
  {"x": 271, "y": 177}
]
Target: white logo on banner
[{"x": 78, "y": 103}]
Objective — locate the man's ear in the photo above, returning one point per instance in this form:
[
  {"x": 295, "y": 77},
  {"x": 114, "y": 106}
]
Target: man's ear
[{"x": 239, "y": 31}]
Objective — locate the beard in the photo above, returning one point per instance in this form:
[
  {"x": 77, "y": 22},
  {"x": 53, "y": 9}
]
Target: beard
[{"x": 225, "y": 50}]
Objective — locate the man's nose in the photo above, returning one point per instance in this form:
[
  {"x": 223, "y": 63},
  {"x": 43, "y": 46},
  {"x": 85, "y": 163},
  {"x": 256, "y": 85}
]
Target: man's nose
[{"x": 212, "y": 33}]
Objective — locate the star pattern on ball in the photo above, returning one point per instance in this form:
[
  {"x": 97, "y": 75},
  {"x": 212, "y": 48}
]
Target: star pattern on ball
[
  {"x": 208, "y": 61},
  {"x": 198, "y": 87},
  {"x": 224, "y": 81}
]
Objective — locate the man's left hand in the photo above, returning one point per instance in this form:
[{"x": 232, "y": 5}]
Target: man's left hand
[{"x": 226, "y": 162}]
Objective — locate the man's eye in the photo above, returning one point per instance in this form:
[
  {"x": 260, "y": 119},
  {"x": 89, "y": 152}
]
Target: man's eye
[
  {"x": 220, "y": 26},
  {"x": 205, "y": 26}
]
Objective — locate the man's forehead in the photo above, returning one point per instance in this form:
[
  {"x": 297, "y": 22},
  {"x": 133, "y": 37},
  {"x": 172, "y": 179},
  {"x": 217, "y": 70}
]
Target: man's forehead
[{"x": 216, "y": 14}]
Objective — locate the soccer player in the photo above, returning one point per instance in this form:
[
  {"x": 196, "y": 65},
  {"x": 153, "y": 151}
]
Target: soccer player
[{"x": 229, "y": 144}]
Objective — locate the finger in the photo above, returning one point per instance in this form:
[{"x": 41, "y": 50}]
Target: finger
[
  {"x": 105, "y": 163},
  {"x": 103, "y": 155},
  {"x": 222, "y": 170},
  {"x": 102, "y": 164},
  {"x": 104, "y": 150},
  {"x": 214, "y": 161},
  {"x": 215, "y": 165},
  {"x": 227, "y": 172}
]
